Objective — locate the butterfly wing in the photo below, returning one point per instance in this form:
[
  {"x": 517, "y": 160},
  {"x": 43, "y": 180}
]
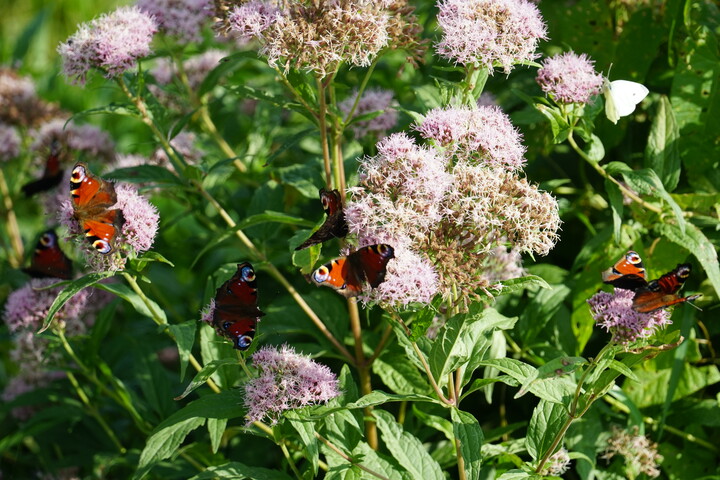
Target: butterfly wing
[
  {"x": 346, "y": 275},
  {"x": 627, "y": 273},
  {"x": 48, "y": 260},
  {"x": 236, "y": 311},
  {"x": 51, "y": 176},
  {"x": 621, "y": 98},
  {"x": 662, "y": 292},
  {"x": 334, "y": 225},
  {"x": 92, "y": 198}
]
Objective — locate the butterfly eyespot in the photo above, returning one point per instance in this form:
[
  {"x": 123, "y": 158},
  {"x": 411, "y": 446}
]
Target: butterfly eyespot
[
  {"x": 226, "y": 325},
  {"x": 248, "y": 274},
  {"x": 321, "y": 274},
  {"x": 243, "y": 342},
  {"x": 633, "y": 258},
  {"x": 47, "y": 240},
  {"x": 102, "y": 246},
  {"x": 78, "y": 174}
]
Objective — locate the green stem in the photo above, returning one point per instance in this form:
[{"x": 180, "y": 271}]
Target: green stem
[
  {"x": 335, "y": 449},
  {"x": 11, "y": 224},
  {"x": 323, "y": 132},
  {"x": 363, "y": 371},
  {"x": 360, "y": 91},
  {"x": 296, "y": 94},
  {"x": 290, "y": 460},
  {"x": 626, "y": 191}
]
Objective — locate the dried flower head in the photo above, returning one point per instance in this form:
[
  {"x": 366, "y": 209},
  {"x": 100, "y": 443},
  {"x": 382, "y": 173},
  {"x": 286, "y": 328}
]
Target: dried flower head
[
  {"x": 286, "y": 380},
  {"x": 137, "y": 235},
  {"x": 183, "y": 19},
  {"x": 466, "y": 212},
  {"x": 9, "y": 142},
  {"x": 641, "y": 455},
  {"x": 557, "y": 464},
  {"x": 483, "y": 133},
  {"x": 111, "y": 43},
  {"x": 569, "y": 78},
  {"x": 491, "y": 33},
  {"x": 614, "y": 313},
  {"x": 19, "y": 103},
  {"x": 27, "y": 307},
  {"x": 372, "y": 100}
]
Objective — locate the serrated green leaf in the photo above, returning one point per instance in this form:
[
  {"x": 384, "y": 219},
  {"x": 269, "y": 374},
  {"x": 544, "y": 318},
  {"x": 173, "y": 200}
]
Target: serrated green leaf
[
  {"x": 378, "y": 397},
  {"x": 662, "y": 152},
  {"x": 378, "y": 463},
  {"x": 622, "y": 369},
  {"x": 407, "y": 449},
  {"x": 470, "y": 436},
  {"x": 239, "y": 471},
  {"x": 515, "y": 474},
  {"x": 205, "y": 373},
  {"x": 141, "y": 306},
  {"x": 306, "y": 430},
  {"x": 398, "y": 373},
  {"x": 69, "y": 291},
  {"x": 594, "y": 149},
  {"x": 163, "y": 442},
  {"x": 554, "y": 368},
  {"x": 647, "y": 182},
  {"x": 556, "y": 389},
  {"x": 216, "y": 429},
  {"x": 546, "y": 422},
  {"x": 441, "y": 424},
  {"x": 184, "y": 336}
]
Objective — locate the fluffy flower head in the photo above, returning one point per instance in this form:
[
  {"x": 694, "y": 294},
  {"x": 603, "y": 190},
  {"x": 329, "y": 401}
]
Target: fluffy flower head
[
  {"x": 492, "y": 33},
  {"x": 557, "y": 464},
  {"x": 372, "y": 100},
  {"x": 614, "y": 313},
  {"x": 87, "y": 139},
  {"x": 112, "y": 42},
  {"x": 252, "y": 18},
  {"x": 569, "y": 78},
  {"x": 19, "y": 104},
  {"x": 9, "y": 142},
  {"x": 641, "y": 455},
  {"x": 183, "y": 19},
  {"x": 287, "y": 380}
]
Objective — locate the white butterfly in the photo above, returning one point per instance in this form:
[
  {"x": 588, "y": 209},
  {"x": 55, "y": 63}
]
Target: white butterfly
[{"x": 621, "y": 97}]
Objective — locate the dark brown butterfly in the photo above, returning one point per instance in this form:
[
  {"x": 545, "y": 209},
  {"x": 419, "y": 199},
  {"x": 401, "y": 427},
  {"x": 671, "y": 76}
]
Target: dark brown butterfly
[
  {"x": 347, "y": 275},
  {"x": 627, "y": 273},
  {"x": 48, "y": 260},
  {"x": 662, "y": 292},
  {"x": 51, "y": 176},
  {"x": 334, "y": 225},
  {"x": 236, "y": 312},
  {"x": 92, "y": 198}
]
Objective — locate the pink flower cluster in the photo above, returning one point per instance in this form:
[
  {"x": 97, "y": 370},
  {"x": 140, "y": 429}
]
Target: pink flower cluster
[
  {"x": 286, "y": 380},
  {"x": 569, "y": 78},
  {"x": 252, "y": 18},
  {"x": 372, "y": 100},
  {"x": 86, "y": 138},
  {"x": 9, "y": 142},
  {"x": 491, "y": 33},
  {"x": 183, "y": 19},
  {"x": 111, "y": 43},
  {"x": 19, "y": 103},
  {"x": 614, "y": 313}
]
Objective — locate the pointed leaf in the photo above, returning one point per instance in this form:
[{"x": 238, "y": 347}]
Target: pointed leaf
[
  {"x": 470, "y": 436},
  {"x": 184, "y": 336},
  {"x": 205, "y": 373},
  {"x": 69, "y": 291},
  {"x": 545, "y": 424},
  {"x": 143, "y": 307},
  {"x": 662, "y": 152}
]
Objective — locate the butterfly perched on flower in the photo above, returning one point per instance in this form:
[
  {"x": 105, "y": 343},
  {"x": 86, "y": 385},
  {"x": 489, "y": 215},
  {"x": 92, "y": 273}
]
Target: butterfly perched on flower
[
  {"x": 348, "y": 275},
  {"x": 92, "y": 198},
  {"x": 629, "y": 274},
  {"x": 48, "y": 260},
  {"x": 51, "y": 176},
  {"x": 334, "y": 225},
  {"x": 236, "y": 312}
]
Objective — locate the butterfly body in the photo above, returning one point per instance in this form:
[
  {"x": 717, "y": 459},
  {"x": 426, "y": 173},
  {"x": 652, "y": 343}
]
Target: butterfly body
[
  {"x": 627, "y": 273},
  {"x": 236, "y": 312},
  {"x": 334, "y": 225},
  {"x": 48, "y": 260},
  {"x": 92, "y": 198},
  {"x": 662, "y": 292},
  {"x": 348, "y": 275},
  {"x": 621, "y": 98},
  {"x": 51, "y": 176}
]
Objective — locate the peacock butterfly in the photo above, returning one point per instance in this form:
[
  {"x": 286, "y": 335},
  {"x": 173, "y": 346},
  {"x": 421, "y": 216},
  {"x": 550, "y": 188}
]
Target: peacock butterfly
[
  {"x": 48, "y": 260},
  {"x": 51, "y": 176},
  {"x": 236, "y": 312},
  {"x": 347, "y": 275},
  {"x": 92, "y": 198},
  {"x": 334, "y": 225},
  {"x": 662, "y": 292},
  {"x": 627, "y": 273}
]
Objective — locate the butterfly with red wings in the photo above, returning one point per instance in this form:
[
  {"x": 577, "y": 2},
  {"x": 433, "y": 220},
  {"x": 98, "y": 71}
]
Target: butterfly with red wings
[
  {"x": 48, "y": 260},
  {"x": 92, "y": 198},
  {"x": 236, "y": 312},
  {"x": 629, "y": 273},
  {"x": 51, "y": 176},
  {"x": 348, "y": 275},
  {"x": 334, "y": 225}
]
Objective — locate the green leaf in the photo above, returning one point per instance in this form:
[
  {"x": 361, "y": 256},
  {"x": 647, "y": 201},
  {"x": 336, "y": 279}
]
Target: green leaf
[
  {"x": 239, "y": 471},
  {"x": 515, "y": 474},
  {"x": 31, "y": 31},
  {"x": 377, "y": 463},
  {"x": 69, "y": 291},
  {"x": 516, "y": 284},
  {"x": 594, "y": 149},
  {"x": 696, "y": 242},
  {"x": 651, "y": 387},
  {"x": 546, "y": 422},
  {"x": 622, "y": 369},
  {"x": 378, "y": 397},
  {"x": 398, "y": 373},
  {"x": 140, "y": 305},
  {"x": 184, "y": 336},
  {"x": 554, "y": 368},
  {"x": 216, "y": 429},
  {"x": 560, "y": 127},
  {"x": 151, "y": 174},
  {"x": 406, "y": 448},
  {"x": 662, "y": 152},
  {"x": 205, "y": 373},
  {"x": 555, "y": 389},
  {"x": 647, "y": 182},
  {"x": 470, "y": 436},
  {"x": 163, "y": 442},
  {"x": 306, "y": 430},
  {"x": 616, "y": 205}
]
